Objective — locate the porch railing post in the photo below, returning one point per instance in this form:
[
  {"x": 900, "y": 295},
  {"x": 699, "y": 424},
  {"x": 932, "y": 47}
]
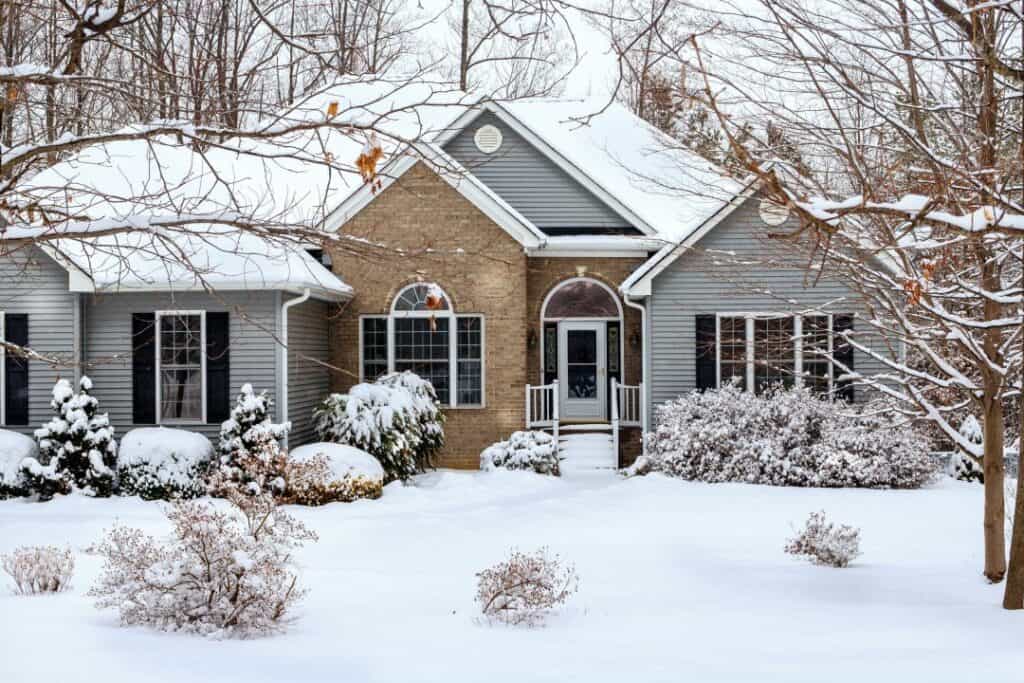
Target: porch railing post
[
  {"x": 529, "y": 422},
  {"x": 554, "y": 411},
  {"x": 615, "y": 418}
]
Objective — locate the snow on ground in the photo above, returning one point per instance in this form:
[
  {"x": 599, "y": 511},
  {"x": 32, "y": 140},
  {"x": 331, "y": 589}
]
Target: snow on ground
[{"x": 679, "y": 581}]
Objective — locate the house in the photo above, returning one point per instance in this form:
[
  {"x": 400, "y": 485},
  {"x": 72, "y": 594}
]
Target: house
[{"x": 544, "y": 267}]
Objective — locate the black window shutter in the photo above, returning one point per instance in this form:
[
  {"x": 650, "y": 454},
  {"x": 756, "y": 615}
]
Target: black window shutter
[
  {"x": 843, "y": 353},
  {"x": 705, "y": 352},
  {"x": 16, "y": 369},
  {"x": 143, "y": 368},
  {"x": 218, "y": 368}
]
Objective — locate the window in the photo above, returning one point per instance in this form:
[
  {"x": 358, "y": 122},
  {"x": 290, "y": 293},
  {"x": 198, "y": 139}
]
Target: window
[
  {"x": 423, "y": 335},
  {"x": 180, "y": 366},
  {"x": 759, "y": 350}
]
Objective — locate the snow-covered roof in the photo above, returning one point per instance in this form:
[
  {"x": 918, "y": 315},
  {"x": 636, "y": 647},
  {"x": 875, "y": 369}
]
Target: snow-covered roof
[{"x": 631, "y": 164}]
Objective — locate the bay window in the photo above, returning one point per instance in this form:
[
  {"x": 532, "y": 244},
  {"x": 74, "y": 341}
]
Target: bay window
[{"x": 423, "y": 334}]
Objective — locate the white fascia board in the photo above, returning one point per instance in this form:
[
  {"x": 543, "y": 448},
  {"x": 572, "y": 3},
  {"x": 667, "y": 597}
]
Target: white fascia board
[
  {"x": 597, "y": 247},
  {"x": 639, "y": 283}
]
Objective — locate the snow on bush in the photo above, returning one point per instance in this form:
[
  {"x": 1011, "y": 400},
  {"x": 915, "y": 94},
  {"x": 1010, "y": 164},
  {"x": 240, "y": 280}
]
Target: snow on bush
[
  {"x": 257, "y": 469},
  {"x": 222, "y": 572},
  {"x": 532, "y": 450},
  {"x": 426, "y": 411},
  {"x": 14, "y": 448},
  {"x": 157, "y": 463},
  {"x": 963, "y": 466},
  {"x": 524, "y": 589},
  {"x": 396, "y": 419},
  {"x": 39, "y": 569},
  {"x": 76, "y": 447},
  {"x": 321, "y": 473},
  {"x": 824, "y": 543},
  {"x": 786, "y": 437},
  {"x": 245, "y": 437}
]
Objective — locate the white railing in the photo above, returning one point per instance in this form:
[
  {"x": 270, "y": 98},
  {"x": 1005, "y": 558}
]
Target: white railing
[
  {"x": 542, "y": 407},
  {"x": 627, "y": 408}
]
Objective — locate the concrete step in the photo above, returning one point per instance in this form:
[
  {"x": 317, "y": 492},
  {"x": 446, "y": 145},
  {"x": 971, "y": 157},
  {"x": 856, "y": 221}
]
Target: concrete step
[{"x": 589, "y": 427}]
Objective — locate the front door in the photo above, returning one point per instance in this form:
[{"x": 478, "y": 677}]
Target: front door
[{"x": 581, "y": 370}]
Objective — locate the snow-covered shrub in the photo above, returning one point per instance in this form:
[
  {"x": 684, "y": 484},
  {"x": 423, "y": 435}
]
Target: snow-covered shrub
[
  {"x": 426, "y": 410},
  {"x": 525, "y": 588},
  {"x": 14, "y": 448},
  {"x": 39, "y": 569},
  {"x": 249, "y": 425},
  {"x": 156, "y": 463},
  {"x": 532, "y": 450},
  {"x": 78, "y": 443},
  {"x": 44, "y": 481},
  {"x": 222, "y": 572},
  {"x": 321, "y": 473},
  {"x": 786, "y": 437},
  {"x": 962, "y": 466},
  {"x": 260, "y": 468},
  {"x": 396, "y": 419},
  {"x": 824, "y": 543}
]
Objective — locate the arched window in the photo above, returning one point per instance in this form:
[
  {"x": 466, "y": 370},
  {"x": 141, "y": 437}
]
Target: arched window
[
  {"x": 424, "y": 335},
  {"x": 581, "y": 298}
]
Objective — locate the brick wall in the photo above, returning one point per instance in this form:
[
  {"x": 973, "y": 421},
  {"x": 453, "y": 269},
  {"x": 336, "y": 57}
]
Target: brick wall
[{"x": 481, "y": 268}]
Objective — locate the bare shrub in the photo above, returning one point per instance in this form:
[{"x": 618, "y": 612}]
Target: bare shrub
[
  {"x": 221, "y": 573},
  {"x": 40, "y": 569},
  {"x": 525, "y": 588},
  {"x": 824, "y": 543},
  {"x": 313, "y": 482}
]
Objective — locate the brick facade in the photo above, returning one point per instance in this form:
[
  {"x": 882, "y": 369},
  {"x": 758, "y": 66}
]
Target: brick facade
[
  {"x": 478, "y": 264},
  {"x": 484, "y": 271}
]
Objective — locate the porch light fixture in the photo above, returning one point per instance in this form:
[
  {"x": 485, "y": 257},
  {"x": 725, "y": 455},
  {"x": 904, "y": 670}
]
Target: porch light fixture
[{"x": 581, "y": 271}]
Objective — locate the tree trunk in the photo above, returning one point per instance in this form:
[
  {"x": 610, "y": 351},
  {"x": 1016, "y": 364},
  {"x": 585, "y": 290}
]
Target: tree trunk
[
  {"x": 1013, "y": 597},
  {"x": 464, "y": 48},
  {"x": 993, "y": 465}
]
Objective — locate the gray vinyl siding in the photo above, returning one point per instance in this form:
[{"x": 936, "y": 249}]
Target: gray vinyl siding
[
  {"x": 32, "y": 283},
  {"x": 713, "y": 278},
  {"x": 308, "y": 381},
  {"x": 108, "y": 325},
  {"x": 531, "y": 183}
]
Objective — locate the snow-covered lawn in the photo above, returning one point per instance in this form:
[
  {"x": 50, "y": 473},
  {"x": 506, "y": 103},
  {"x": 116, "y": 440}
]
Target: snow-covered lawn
[{"x": 679, "y": 581}]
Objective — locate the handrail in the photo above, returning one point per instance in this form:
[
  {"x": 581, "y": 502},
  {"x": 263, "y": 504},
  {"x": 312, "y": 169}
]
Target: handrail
[
  {"x": 542, "y": 407},
  {"x": 627, "y": 404}
]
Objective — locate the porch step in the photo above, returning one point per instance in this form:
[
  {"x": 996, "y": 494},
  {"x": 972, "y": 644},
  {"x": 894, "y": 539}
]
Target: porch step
[
  {"x": 595, "y": 427},
  {"x": 586, "y": 452}
]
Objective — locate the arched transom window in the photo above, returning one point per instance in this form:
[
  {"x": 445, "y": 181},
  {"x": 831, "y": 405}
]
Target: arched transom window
[
  {"x": 581, "y": 298},
  {"x": 423, "y": 334}
]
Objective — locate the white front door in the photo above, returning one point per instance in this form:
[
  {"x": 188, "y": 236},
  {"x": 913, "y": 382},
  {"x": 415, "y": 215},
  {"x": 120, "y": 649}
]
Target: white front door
[{"x": 582, "y": 379}]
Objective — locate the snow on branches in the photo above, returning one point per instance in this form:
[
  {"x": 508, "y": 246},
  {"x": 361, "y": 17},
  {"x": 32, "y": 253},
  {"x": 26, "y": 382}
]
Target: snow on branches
[{"x": 524, "y": 589}]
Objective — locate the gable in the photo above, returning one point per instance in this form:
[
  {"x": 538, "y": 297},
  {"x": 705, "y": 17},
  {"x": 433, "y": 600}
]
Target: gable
[{"x": 533, "y": 184}]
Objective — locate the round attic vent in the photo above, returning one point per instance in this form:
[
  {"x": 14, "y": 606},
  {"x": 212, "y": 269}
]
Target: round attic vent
[
  {"x": 772, "y": 213},
  {"x": 487, "y": 139}
]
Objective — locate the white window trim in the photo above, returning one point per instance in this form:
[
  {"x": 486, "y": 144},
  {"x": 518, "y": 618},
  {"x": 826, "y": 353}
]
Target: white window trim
[
  {"x": 3, "y": 369},
  {"x": 798, "y": 343},
  {"x": 453, "y": 343},
  {"x": 202, "y": 363}
]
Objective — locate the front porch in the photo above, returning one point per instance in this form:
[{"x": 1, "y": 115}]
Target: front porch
[{"x": 590, "y": 444}]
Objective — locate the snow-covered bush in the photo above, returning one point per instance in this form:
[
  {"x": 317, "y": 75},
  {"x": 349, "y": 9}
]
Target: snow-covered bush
[
  {"x": 14, "y": 448},
  {"x": 396, "y": 419},
  {"x": 321, "y": 473},
  {"x": 962, "y": 466},
  {"x": 159, "y": 463},
  {"x": 222, "y": 572},
  {"x": 257, "y": 469},
  {"x": 525, "y": 588},
  {"x": 249, "y": 424},
  {"x": 77, "y": 444},
  {"x": 786, "y": 437},
  {"x": 39, "y": 569},
  {"x": 824, "y": 543},
  {"x": 532, "y": 450},
  {"x": 426, "y": 410}
]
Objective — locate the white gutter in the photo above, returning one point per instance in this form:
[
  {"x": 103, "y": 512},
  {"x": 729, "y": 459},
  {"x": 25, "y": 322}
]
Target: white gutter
[
  {"x": 645, "y": 371},
  {"x": 284, "y": 355}
]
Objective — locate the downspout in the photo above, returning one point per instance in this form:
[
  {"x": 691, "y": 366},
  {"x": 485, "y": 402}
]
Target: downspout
[
  {"x": 645, "y": 370},
  {"x": 284, "y": 355}
]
